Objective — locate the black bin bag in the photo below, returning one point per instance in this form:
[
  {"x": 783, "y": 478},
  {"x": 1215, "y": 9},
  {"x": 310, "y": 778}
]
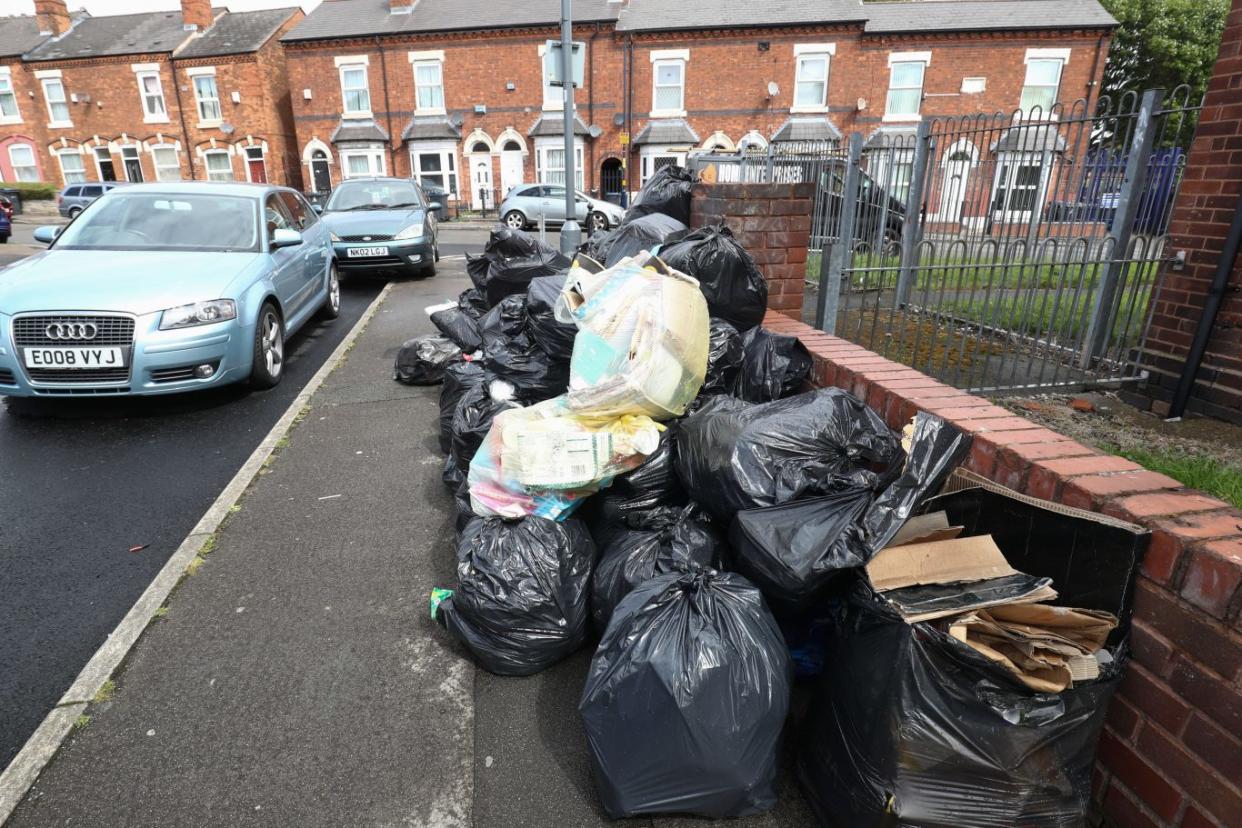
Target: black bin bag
[
  {"x": 472, "y": 419},
  {"x": 459, "y": 377},
  {"x": 511, "y": 353},
  {"x": 556, "y": 339},
  {"x": 460, "y": 325},
  {"x": 655, "y": 542},
  {"x": 774, "y": 366},
  {"x": 423, "y": 359},
  {"x": 728, "y": 276},
  {"x": 910, "y": 727},
  {"x": 645, "y": 233},
  {"x": 513, "y": 259},
  {"x": 733, "y": 456},
  {"x": 651, "y": 485},
  {"x": 521, "y": 599},
  {"x": 667, "y": 192},
  {"x": 686, "y": 698},
  {"x": 724, "y": 357}
]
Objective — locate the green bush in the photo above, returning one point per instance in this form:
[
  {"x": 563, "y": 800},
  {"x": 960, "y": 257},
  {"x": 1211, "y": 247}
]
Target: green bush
[{"x": 32, "y": 190}]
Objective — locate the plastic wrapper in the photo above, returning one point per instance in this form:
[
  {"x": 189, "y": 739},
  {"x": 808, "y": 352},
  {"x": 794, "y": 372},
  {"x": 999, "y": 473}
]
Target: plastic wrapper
[
  {"x": 735, "y": 289},
  {"x": 651, "y": 485},
  {"x": 554, "y": 337},
  {"x": 724, "y": 358},
  {"x": 522, "y": 588},
  {"x": 733, "y": 456},
  {"x": 643, "y": 234},
  {"x": 774, "y": 366},
  {"x": 667, "y": 192},
  {"x": 545, "y": 459},
  {"x": 511, "y": 353},
  {"x": 472, "y": 420},
  {"x": 423, "y": 359},
  {"x": 686, "y": 698},
  {"x": 459, "y": 325},
  {"x": 642, "y": 339},
  {"x": 656, "y": 542},
  {"x": 459, "y": 377},
  {"x": 795, "y": 550}
]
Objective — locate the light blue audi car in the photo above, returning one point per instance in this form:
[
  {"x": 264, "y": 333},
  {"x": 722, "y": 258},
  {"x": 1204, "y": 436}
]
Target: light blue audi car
[{"x": 162, "y": 288}]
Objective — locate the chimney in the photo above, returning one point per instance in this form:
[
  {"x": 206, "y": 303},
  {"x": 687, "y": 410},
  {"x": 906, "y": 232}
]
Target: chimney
[
  {"x": 52, "y": 17},
  {"x": 401, "y": 6},
  {"x": 196, "y": 14}
]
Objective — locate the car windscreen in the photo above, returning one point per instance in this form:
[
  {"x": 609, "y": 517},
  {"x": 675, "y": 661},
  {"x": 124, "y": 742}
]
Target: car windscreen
[
  {"x": 374, "y": 195},
  {"x": 163, "y": 222}
]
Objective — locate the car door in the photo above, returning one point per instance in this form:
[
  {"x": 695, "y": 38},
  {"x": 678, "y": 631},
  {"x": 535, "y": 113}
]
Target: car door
[
  {"x": 315, "y": 242},
  {"x": 288, "y": 266},
  {"x": 553, "y": 203}
]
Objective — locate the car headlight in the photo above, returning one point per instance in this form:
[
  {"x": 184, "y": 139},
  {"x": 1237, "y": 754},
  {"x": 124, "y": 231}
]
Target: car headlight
[
  {"x": 414, "y": 231},
  {"x": 199, "y": 313},
  {"x": 333, "y": 236}
]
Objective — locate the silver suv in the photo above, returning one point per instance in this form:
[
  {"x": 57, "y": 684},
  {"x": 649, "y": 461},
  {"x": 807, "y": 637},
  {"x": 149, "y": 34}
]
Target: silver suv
[
  {"x": 76, "y": 197},
  {"x": 526, "y": 203}
]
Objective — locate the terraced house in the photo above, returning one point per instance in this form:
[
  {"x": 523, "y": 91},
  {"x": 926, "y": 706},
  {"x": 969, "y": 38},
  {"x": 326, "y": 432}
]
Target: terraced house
[
  {"x": 194, "y": 93},
  {"x": 454, "y": 91}
]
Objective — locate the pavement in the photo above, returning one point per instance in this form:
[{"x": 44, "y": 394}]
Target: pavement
[{"x": 297, "y": 679}]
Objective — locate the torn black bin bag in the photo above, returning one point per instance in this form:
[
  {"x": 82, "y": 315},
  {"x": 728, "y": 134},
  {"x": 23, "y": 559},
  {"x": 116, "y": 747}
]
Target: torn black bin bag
[
  {"x": 733, "y": 456},
  {"x": 652, "y": 485},
  {"x": 928, "y": 732},
  {"x": 724, "y": 357},
  {"x": 459, "y": 377},
  {"x": 472, "y": 419},
  {"x": 556, "y": 339},
  {"x": 728, "y": 276},
  {"x": 513, "y": 275},
  {"x": 522, "y": 588},
  {"x": 511, "y": 353},
  {"x": 774, "y": 366},
  {"x": 686, "y": 698},
  {"x": 666, "y": 192},
  {"x": 472, "y": 302},
  {"x": 506, "y": 242},
  {"x": 655, "y": 542},
  {"x": 645, "y": 233},
  {"x": 794, "y": 551},
  {"x": 459, "y": 326},
  {"x": 423, "y": 359},
  {"x": 476, "y": 269}
]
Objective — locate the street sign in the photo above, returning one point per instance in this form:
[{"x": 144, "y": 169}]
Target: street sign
[
  {"x": 552, "y": 63},
  {"x": 624, "y": 138}
]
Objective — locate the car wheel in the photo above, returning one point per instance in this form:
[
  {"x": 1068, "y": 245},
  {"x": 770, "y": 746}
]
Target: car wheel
[
  {"x": 269, "y": 349},
  {"x": 515, "y": 219},
  {"x": 331, "y": 308},
  {"x": 436, "y": 247},
  {"x": 428, "y": 270},
  {"x": 4, "y": 239},
  {"x": 599, "y": 221},
  {"x": 74, "y": 212}
]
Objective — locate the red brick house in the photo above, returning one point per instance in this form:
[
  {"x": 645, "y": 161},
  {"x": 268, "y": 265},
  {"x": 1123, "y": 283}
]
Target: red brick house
[
  {"x": 21, "y": 129},
  {"x": 198, "y": 93},
  {"x": 394, "y": 86}
]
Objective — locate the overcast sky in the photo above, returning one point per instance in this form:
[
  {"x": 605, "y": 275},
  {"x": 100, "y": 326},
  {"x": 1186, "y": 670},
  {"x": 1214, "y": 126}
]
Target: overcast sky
[{"x": 102, "y": 7}]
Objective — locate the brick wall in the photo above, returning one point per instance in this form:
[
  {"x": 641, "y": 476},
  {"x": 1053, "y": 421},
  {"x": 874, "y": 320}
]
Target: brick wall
[
  {"x": 29, "y": 129},
  {"x": 1204, "y": 211},
  {"x": 1172, "y": 748}
]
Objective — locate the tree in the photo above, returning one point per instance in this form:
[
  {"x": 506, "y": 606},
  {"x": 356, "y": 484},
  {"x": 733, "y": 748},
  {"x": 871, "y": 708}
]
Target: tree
[{"x": 1164, "y": 44}]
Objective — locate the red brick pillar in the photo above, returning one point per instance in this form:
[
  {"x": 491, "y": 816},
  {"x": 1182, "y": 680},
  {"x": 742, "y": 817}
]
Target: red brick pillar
[{"x": 773, "y": 223}]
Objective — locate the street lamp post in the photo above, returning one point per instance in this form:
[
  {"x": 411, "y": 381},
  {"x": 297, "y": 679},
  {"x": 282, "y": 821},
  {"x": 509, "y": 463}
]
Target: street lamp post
[{"x": 571, "y": 233}]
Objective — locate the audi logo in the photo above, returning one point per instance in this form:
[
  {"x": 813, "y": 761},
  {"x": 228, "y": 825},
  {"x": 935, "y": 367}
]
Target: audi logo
[{"x": 71, "y": 330}]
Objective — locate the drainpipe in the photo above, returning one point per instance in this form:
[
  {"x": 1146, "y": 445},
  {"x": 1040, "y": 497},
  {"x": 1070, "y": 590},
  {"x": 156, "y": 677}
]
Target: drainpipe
[
  {"x": 392, "y": 158},
  {"x": 1207, "y": 319},
  {"x": 591, "y": 103},
  {"x": 185, "y": 135},
  {"x": 628, "y": 149}
]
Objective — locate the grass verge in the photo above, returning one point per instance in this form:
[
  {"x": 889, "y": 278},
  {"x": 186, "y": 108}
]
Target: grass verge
[{"x": 1193, "y": 470}]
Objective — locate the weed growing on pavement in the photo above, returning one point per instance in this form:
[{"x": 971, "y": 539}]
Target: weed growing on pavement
[
  {"x": 160, "y": 613},
  {"x": 282, "y": 443},
  {"x": 106, "y": 691},
  {"x": 81, "y": 722},
  {"x": 192, "y": 567},
  {"x": 208, "y": 546},
  {"x": 302, "y": 414}
]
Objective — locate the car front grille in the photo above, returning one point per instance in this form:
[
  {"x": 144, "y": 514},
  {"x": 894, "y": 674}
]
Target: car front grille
[
  {"x": 6, "y": 377},
  {"x": 31, "y": 332},
  {"x": 371, "y": 263},
  {"x": 370, "y": 238}
]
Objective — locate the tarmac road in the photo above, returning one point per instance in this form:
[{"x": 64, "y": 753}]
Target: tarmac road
[{"x": 84, "y": 481}]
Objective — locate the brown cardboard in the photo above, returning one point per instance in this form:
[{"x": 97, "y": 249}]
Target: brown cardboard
[
  {"x": 925, "y": 529},
  {"x": 938, "y": 562}
]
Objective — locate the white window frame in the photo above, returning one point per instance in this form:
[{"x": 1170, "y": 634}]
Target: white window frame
[
  {"x": 348, "y": 63},
  {"x": 450, "y": 169},
  {"x": 48, "y": 77},
  {"x": 421, "y": 60},
  {"x": 33, "y": 165},
  {"x": 375, "y": 162},
  {"x": 553, "y": 96},
  {"x": 143, "y": 72},
  {"x": 804, "y": 52},
  {"x": 64, "y": 174},
  {"x": 137, "y": 156},
  {"x": 6, "y": 80},
  {"x": 669, "y": 57},
  {"x": 208, "y": 154},
  {"x": 554, "y": 143},
  {"x": 1061, "y": 58},
  {"x": 194, "y": 75},
  {"x": 95, "y": 155},
  {"x": 246, "y": 158},
  {"x": 650, "y": 152},
  {"x": 1008, "y": 165},
  {"x": 905, "y": 58},
  {"x": 155, "y": 162},
  {"x": 882, "y": 164},
  {"x": 974, "y": 86}
]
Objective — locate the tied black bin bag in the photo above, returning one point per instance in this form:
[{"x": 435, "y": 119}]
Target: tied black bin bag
[
  {"x": 733, "y": 456},
  {"x": 926, "y": 731},
  {"x": 686, "y": 698},
  {"x": 472, "y": 419},
  {"x": 521, "y": 601},
  {"x": 511, "y": 353},
  {"x": 460, "y": 324},
  {"x": 423, "y": 359},
  {"x": 556, "y": 339},
  {"x": 632, "y": 238},
  {"x": 774, "y": 366},
  {"x": 513, "y": 258},
  {"x": 459, "y": 377},
  {"x": 655, "y": 542},
  {"x": 728, "y": 276},
  {"x": 667, "y": 192}
]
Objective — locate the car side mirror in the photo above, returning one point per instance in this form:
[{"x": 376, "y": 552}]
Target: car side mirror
[
  {"x": 284, "y": 237},
  {"x": 46, "y": 234},
  {"x": 318, "y": 208},
  {"x": 435, "y": 206}
]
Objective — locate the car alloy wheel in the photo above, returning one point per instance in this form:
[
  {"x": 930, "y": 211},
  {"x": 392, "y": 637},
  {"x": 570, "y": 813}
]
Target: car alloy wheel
[
  {"x": 74, "y": 212},
  {"x": 515, "y": 220},
  {"x": 273, "y": 344},
  {"x": 599, "y": 221},
  {"x": 331, "y": 307}
]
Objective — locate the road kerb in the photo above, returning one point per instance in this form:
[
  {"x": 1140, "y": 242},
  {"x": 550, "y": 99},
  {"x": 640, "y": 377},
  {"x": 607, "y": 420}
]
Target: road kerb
[{"x": 42, "y": 745}]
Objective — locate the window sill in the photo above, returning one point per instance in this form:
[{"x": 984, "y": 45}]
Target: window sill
[
  {"x": 902, "y": 119},
  {"x": 358, "y": 116},
  {"x": 667, "y": 113},
  {"x": 423, "y": 113},
  {"x": 210, "y": 124},
  {"x": 156, "y": 120},
  {"x": 13, "y": 120},
  {"x": 60, "y": 125},
  {"x": 559, "y": 106},
  {"x": 808, "y": 110}
]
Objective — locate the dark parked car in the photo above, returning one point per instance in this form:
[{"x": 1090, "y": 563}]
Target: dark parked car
[
  {"x": 382, "y": 225},
  {"x": 879, "y": 218}
]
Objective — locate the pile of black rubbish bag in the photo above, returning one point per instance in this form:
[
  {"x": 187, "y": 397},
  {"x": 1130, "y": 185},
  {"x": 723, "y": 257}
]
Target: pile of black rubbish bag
[{"x": 728, "y": 568}]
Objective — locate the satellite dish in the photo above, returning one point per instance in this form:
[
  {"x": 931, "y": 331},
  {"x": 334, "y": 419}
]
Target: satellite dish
[
  {"x": 617, "y": 120},
  {"x": 773, "y": 89},
  {"x": 594, "y": 131},
  {"x": 456, "y": 119},
  {"x": 228, "y": 129}
]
